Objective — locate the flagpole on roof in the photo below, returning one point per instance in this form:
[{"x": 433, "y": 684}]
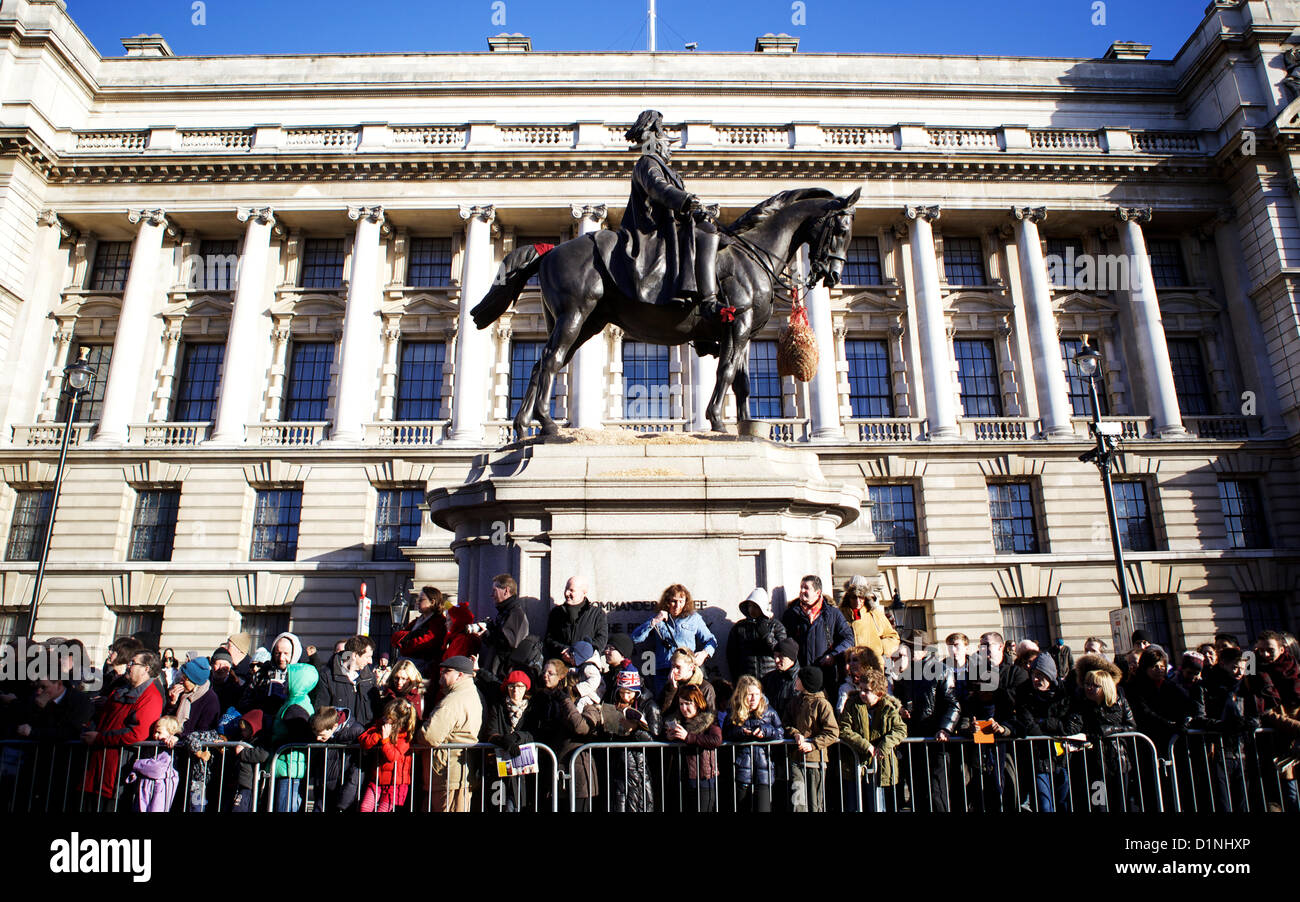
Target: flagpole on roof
[{"x": 652, "y": 26}]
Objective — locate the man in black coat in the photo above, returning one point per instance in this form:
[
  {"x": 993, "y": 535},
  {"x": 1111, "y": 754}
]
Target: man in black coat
[
  {"x": 820, "y": 629},
  {"x": 506, "y": 643},
  {"x": 55, "y": 715},
  {"x": 751, "y": 647},
  {"x": 348, "y": 682},
  {"x": 576, "y": 620},
  {"x": 927, "y": 691}
]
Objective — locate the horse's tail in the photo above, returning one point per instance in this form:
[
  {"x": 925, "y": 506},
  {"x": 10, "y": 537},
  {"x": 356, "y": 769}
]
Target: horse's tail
[{"x": 520, "y": 265}]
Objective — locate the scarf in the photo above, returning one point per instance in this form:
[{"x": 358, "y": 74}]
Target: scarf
[
  {"x": 515, "y": 712},
  {"x": 188, "y": 699}
]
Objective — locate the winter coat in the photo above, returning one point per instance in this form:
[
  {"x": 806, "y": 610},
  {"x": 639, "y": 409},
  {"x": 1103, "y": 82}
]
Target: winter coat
[
  {"x": 865, "y": 729},
  {"x": 126, "y": 718},
  {"x": 1044, "y": 714},
  {"x": 1225, "y": 704},
  {"x": 504, "y": 646},
  {"x": 60, "y": 721},
  {"x": 335, "y": 690},
  {"x": 703, "y": 736},
  {"x": 424, "y": 640},
  {"x": 563, "y": 629},
  {"x": 872, "y": 629},
  {"x": 653, "y": 256},
  {"x": 290, "y": 726},
  {"x": 779, "y": 689},
  {"x": 829, "y": 634},
  {"x": 553, "y": 719},
  {"x": 751, "y": 646},
  {"x": 1159, "y": 712},
  {"x": 1277, "y": 685},
  {"x": 931, "y": 702},
  {"x": 155, "y": 780},
  {"x": 459, "y": 643},
  {"x": 754, "y": 764},
  {"x": 388, "y": 762},
  {"x": 998, "y": 698},
  {"x": 631, "y": 785},
  {"x": 457, "y": 719},
  {"x": 689, "y": 632},
  {"x": 204, "y": 710},
  {"x": 1098, "y": 722},
  {"x": 813, "y": 717}
]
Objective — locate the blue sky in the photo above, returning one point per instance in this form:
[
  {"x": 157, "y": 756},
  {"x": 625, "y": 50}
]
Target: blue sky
[{"x": 993, "y": 27}]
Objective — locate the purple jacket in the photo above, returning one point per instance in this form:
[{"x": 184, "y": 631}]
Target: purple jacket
[{"x": 157, "y": 780}]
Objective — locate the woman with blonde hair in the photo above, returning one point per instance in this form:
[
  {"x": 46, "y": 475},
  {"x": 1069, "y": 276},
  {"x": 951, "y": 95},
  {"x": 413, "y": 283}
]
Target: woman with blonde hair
[
  {"x": 749, "y": 721},
  {"x": 405, "y": 682},
  {"x": 1100, "y": 711},
  {"x": 676, "y": 625}
]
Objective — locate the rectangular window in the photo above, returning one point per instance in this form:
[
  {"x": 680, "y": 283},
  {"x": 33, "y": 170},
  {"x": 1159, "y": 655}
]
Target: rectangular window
[
  {"x": 893, "y": 518},
  {"x": 429, "y": 263},
  {"x": 1263, "y": 611},
  {"x": 645, "y": 381},
  {"x": 1077, "y": 382},
  {"x": 963, "y": 261},
  {"x": 913, "y": 617},
  {"x": 1136, "y": 529},
  {"x": 92, "y": 403},
  {"x": 1243, "y": 512},
  {"x": 31, "y": 520},
  {"x": 523, "y": 357},
  {"x": 275, "y": 525},
  {"x": 381, "y": 631},
  {"x": 870, "y": 391},
  {"x": 1062, "y": 261},
  {"x": 1167, "y": 269},
  {"x": 764, "y": 383},
  {"x": 153, "y": 529},
  {"x": 322, "y": 263},
  {"x": 977, "y": 371},
  {"x": 1190, "y": 380},
  {"x": 198, "y": 382},
  {"x": 1152, "y": 614},
  {"x": 112, "y": 263},
  {"x": 1027, "y": 620},
  {"x": 217, "y": 266},
  {"x": 1011, "y": 506},
  {"x": 143, "y": 623},
  {"x": 13, "y": 625},
  {"x": 263, "y": 626},
  {"x": 307, "y": 394},
  {"x": 862, "y": 266},
  {"x": 419, "y": 380},
  {"x": 397, "y": 522}
]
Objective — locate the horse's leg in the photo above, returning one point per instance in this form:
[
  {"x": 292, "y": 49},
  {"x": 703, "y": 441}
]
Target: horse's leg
[
  {"x": 563, "y": 337},
  {"x": 740, "y": 386},
  {"x": 734, "y": 342}
]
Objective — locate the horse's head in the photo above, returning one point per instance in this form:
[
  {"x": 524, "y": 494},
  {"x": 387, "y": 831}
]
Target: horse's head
[{"x": 830, "y": 241}]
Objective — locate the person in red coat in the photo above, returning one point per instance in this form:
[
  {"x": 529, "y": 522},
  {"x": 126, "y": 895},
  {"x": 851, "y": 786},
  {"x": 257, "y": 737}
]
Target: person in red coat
[
  {"x": 427, "y": 635},
  {"x": 387, "y": 745},
  {"x": 125, "y": 719},
  {"x": 460, "y": 643}
]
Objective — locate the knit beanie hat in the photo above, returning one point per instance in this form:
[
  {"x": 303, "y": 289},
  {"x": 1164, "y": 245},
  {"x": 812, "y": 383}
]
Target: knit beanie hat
[
  {"x": 788, "y": 648},
  {"x": 622, "y": 642},
  {"x": 812, "y": 679},
  {"x": 1046, "y": 666},
  {"x": 518, "y": 676},
  {"x": 198, "y": 671},
  {"x": 582, "y": 651},
  {"x": 221, "y": 655},
  {"x": 628, "y": 678},
  {"x": 242, "y": 641}
]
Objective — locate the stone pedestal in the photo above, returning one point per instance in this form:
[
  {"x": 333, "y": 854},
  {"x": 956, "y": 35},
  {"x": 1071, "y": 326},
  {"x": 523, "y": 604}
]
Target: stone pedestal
[{"x": 718, "y": 514}]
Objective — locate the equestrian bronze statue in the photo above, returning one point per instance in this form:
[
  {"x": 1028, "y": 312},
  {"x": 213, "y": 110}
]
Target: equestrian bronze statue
[{"x": 665, "y": 278}]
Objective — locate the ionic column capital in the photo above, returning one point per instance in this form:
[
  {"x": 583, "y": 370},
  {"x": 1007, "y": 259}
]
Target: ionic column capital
[
  {"x": 1133, "y": 214},
  {"x": 595, "y": 212},
  {"x": 259, "y": 215},
  {"x": 480, "y": 212},
  {"x": 1029, "y": 214},
  {"x": 153, "y": 217},
  {"x": 369, "y": 214},
  {"x": 928, "y": 212}
]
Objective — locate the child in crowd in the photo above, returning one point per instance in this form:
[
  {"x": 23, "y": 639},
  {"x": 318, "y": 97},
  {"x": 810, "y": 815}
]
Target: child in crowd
[
  {"x": 156, "y": 778},
  {"x": 695, "y": 723},
  {"x": 814, "y": 729},
  {"x": 751, "y": 720},
  {"x": 871, "y": 724},
  {"x": 388, "y": 774}
]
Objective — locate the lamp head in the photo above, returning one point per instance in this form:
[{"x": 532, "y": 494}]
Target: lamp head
[
  {"x": 1088, "y": 360},
  {"x": 79, "y": 373}
]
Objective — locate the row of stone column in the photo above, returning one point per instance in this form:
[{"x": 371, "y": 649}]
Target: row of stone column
[{"x": 473, "y": 360}]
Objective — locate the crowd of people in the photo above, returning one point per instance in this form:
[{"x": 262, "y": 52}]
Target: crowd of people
[{"x": 810, "y": 696}]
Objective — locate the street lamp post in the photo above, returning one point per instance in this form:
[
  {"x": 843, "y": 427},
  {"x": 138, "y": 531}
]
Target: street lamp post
[
  {"x": 76, "y": 379},
  {"x": 1088, "y": 360}
]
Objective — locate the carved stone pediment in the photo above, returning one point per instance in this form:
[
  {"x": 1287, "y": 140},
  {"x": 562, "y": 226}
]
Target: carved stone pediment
[{"x": 1079, "y": 302}]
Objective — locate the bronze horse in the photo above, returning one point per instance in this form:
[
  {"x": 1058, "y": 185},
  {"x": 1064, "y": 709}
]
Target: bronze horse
[{"x": 580, "y": 298}]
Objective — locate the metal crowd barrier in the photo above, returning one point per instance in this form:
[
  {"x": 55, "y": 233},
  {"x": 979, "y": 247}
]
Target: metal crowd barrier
[
  {"x": 1121, "y": 772},
  {"x": 323, "y": 777},
  {"x": 1232, "y": 772},
  {"x": 73, "y": 777},
  {"x": 654, "y": 776}
]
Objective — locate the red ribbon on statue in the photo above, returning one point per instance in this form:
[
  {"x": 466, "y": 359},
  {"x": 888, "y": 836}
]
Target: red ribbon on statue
[
  {"x": 543, "y": 248},
  {"x": 727, "y": 314}
]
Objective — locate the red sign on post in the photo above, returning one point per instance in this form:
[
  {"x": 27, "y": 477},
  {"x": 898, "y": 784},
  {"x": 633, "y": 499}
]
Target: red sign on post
[{"x": 363, "y": 613}]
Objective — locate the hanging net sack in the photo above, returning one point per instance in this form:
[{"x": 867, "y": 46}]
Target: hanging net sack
[{"x": 796, "y": 347}]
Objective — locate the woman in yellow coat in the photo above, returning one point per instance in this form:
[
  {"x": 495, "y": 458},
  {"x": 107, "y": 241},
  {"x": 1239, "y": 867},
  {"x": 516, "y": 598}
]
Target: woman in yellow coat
[{"x": 866, "y": 617}]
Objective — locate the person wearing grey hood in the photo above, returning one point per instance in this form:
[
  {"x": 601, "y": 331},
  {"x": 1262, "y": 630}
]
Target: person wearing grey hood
[
  {"x": 266, "y": 691},
  {"x": 751, "y": 647}
]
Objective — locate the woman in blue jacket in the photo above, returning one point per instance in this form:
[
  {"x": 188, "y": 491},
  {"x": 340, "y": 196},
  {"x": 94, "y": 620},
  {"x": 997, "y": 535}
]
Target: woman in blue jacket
[
  {"x": 750, "y": 720},
  {"x": 676, "y": 625}
]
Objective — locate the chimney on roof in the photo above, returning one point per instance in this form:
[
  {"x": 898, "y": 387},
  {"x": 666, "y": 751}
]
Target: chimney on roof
[
  {"x": 1127, "y": 50},
  {"x": 510, "y": 43},
  {"x": 776, "y": 43},
  {"x": 146, "y": 45}
]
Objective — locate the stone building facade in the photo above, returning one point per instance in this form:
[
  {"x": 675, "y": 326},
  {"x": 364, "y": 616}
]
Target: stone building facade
[{"x": 269, "y": 257}]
